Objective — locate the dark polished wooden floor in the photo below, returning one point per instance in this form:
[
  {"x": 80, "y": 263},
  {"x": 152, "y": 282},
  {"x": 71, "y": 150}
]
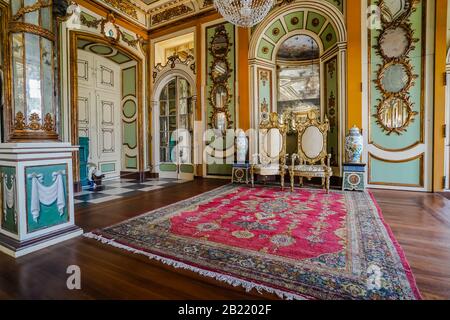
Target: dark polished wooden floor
[{"x": 420, "y": 222}]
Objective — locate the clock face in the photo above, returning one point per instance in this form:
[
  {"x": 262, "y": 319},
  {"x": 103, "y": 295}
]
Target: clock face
[{"x": 394, "y": 42}]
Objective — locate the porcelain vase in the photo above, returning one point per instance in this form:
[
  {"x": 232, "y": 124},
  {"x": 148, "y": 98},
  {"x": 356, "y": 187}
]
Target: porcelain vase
[
  {"x": 241, "y": 147},
  {"x": 354, "y": 145}
]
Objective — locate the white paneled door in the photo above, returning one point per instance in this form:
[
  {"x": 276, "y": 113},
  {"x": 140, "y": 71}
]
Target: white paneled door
[{"x": 99, "y": 111}]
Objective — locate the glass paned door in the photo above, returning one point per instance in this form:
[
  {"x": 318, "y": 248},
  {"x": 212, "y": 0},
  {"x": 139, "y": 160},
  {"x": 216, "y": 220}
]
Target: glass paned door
[{"x": 176, "y": 132}]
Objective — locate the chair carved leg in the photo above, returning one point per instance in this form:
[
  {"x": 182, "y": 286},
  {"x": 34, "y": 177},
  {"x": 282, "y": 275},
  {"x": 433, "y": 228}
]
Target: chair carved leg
[
  {"x": 252, "y": 178},
  {"x": 292, "y": 181},
  {"x": 282, "y": 182},
  {"x": 328, "y": 184},
  {"x": 323, "y": 182},
  {"x": 301, "y": 182}
]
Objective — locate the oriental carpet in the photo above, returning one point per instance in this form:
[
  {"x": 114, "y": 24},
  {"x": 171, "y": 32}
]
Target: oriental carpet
[{"x": 302, "y": 245}]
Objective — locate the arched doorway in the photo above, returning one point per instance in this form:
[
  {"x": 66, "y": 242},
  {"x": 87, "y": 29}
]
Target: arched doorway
[
  {"x": 322, "y": 25},
  {"x": 174, "y": 99}
]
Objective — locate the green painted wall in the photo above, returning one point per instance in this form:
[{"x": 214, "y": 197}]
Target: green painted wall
[
  {"x": 49, "y": 215},
  {"x": 8, "y": 224},
  {"x": 129, "y": 115}
]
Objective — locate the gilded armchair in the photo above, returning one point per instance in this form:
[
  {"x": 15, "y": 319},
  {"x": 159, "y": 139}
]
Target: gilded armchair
[
  {"x": 271, "y": 159},
  {"x": 312, "y": 159}
]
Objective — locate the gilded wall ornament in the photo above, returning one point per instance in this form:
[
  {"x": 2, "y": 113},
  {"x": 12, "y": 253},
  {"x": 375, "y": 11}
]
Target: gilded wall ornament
[
  {"x": 395, "y": 76},
  {"x": 171, "y": 13},
  {"x": 220, "y": 95},
  {"x": 123, "y": 6}
]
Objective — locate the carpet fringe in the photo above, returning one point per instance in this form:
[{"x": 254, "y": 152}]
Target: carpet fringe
[{"x": 235, "y": 282}]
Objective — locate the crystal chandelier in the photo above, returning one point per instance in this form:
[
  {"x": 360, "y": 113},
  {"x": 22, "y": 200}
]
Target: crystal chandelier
[{"x": 244, "y": 13}]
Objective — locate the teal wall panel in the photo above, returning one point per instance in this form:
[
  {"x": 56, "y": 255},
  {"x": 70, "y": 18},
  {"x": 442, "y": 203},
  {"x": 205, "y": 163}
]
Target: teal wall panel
[
  {"x": 408, "y": 173},
  {"x": 49, "y": 215}
]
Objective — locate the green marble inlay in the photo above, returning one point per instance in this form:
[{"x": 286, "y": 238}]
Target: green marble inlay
[
  {"x": 328, "y": 37},
  {"x": 108, "y": 167},
  {"x": 129, "y": 82},
  {"x": 130, "y": 162},
  {"x": 8, "y": 224},
  {"x": 292, "y": 18},
  {"x": 265, "y": 49},
  {"x": 129, "y": 134},
  {"x": 49, "y": 215},
  {"x": 187, "y": 168},
  {"x": 315, "y": 22},
  {"x": 402, "y": 173},
  {"x": 276, "y": 31},
  {"x": 129, "y": 109},
  {"x": 168, "y": 167}
]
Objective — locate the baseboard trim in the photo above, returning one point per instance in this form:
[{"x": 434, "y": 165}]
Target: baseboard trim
[{"x": 16, "y": 248}]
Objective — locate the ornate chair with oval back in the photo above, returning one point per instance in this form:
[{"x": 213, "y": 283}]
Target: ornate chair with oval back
[
  {"x": 271, "y": 159},
  {"x": 312, "y": 159}
]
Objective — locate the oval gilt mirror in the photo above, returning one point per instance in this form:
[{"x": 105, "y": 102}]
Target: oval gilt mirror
[
  {"x": 220, "y": 45},
  {"x": 220, "y": 71},
  {"x": 220, "y": 96},
  {"x": 395, "y": 78},
  {"x": 395, "y": 42}
]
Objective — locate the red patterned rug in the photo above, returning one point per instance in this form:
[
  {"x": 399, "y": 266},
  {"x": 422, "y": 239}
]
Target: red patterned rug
[{"x": 306, "y": 244}]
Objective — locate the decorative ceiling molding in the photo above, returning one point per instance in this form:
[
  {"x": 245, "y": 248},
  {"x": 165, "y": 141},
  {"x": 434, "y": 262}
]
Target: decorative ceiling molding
[
  {"x": 171, "y": 13},
  {"x": 123, "y": 6}
]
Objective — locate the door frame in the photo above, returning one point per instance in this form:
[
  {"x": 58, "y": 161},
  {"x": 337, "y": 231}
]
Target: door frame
[
  {"x": 74, "y": 36},
  {"x": 161, "y": 81}
]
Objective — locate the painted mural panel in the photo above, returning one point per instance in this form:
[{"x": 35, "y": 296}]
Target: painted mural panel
[
  {"x": 332, "y": 109},
  {"x": 227, "y": 89},
  {"x": 265, "y": 90},
  {"x": 396, "y": 85},
  {"x": 8, "y": 195},
  {"x": 400, "y": 72},
  {"x": 47, "y": 200}
]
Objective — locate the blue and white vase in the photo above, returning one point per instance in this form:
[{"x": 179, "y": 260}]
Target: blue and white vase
[{"x": 354, "y": 145}]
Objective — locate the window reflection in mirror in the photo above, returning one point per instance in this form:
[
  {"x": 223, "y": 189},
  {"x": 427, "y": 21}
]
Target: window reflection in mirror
[{"x": 298, "y": 67}]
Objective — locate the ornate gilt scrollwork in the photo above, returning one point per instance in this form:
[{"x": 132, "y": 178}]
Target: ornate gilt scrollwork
[
  {"x": 220, "y": 71},
  {"x": 395, "y": 76},
  {"x": 124, "y": 6},
  {"x": 34, "y": 123}
]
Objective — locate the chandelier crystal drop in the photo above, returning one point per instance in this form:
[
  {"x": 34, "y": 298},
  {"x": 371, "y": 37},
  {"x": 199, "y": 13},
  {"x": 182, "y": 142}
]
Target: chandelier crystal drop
[{"x": 244, "y": 13}]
